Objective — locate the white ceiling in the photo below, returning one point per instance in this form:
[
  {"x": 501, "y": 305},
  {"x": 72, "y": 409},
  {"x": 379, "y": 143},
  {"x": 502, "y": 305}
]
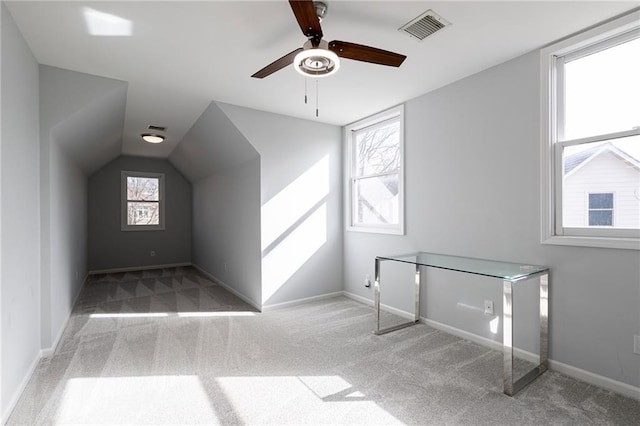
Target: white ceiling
[{"x": 181, "y": 55}]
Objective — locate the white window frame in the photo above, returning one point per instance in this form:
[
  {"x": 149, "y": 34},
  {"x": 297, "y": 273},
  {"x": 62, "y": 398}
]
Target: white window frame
[
  {"x": 552, "y": 231},
  {"x": 349, "y": 133},
  {"x": 124, "y": 201}
]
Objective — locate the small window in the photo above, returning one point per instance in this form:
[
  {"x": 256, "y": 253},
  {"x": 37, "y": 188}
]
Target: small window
[
  {"x": 142, "y": 201},
  {"x": 591, "y": 137},
  {"x": 601, "y": 209},
  {"x": 375, "y": 173}
]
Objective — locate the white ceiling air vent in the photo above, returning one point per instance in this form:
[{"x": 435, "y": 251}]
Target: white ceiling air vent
[
  {"x": 424, "y": 25},
  {"x": 157, "y": 128}
]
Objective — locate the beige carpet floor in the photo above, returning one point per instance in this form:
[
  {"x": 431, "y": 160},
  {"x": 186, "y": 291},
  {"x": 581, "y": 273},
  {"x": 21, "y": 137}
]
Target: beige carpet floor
[{"x": 171, "y": 347}]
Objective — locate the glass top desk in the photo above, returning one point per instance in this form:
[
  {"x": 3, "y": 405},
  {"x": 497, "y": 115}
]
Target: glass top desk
[{"x": 509, "y": 273}]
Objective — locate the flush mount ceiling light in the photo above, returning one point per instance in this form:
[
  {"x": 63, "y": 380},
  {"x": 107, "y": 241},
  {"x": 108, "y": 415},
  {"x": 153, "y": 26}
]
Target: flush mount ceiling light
[
  {"x": 316, "y": 61},
  {"x": 152, "y": 138}
]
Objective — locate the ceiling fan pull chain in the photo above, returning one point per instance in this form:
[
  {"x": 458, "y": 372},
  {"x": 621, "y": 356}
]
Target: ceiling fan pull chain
[
  {"x": 305, "y": 90},
  {"x": 316, "y": 97}
]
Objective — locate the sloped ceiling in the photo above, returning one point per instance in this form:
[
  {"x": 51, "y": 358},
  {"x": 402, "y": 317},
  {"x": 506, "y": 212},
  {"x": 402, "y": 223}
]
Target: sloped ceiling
[
  {"x": 179, "y": 56},
  {"x": 212, "y": 144},
  {"x": 84, "y": 114}
]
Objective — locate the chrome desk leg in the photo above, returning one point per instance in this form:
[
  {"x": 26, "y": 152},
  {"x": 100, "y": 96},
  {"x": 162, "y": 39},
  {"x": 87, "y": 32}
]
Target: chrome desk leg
[
  {"x": 417, "y": 294},
  {"x": 376, "y": 303},
  {"x": 511, "y": 387},
  {"x": 376, "y": 300},
  {"x": 507, "y": 335},
  {"x": 544, "y": 323}
]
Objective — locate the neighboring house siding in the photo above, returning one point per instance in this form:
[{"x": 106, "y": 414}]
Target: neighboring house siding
[{"x": 603, "y": 173}]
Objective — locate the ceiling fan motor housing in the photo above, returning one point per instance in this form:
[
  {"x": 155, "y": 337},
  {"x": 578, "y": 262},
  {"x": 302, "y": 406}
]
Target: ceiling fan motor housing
[{"x": 316, "y": 61}]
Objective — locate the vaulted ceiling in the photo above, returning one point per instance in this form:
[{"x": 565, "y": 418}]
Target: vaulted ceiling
[{"x": 177, "y": 57}]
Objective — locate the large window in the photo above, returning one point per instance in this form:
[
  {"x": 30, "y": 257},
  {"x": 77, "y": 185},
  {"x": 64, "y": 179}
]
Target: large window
[
  {"x": 591, "y": 137},
  {"x": 142, "y": 201},
  {"x": 375, "y": 173}
]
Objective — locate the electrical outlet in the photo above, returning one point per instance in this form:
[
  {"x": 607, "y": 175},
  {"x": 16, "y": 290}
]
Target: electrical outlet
[
  {"x": 488, "y": 307},
  {"x": 636, "y": 345},
  {"x": 367, "y": 281},
  {"x": 153, "y": 253}
]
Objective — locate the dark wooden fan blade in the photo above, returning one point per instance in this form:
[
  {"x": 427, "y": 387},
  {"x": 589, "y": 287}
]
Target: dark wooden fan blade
[
  {"x": 362, "y": 53},
  {"x": 307, "y": 17},
  {"x": 277, "y": 65}
]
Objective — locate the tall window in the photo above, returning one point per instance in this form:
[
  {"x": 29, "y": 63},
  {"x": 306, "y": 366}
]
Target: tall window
[
  {"x": 142, "y": 201},
  {"x": 375, "y": 173},
  {"x": 591, "y": 137}
]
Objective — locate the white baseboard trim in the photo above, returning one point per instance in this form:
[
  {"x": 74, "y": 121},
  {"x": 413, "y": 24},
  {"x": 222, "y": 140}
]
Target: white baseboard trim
[
  {"x": 290, "y": 303},
  {"x": 138, "y": 268},
  {"x": 596, "y": 379},
  {"x": 402, "y": 314},
  {"x": 18, "y": 392},
  {"x": 227, "y": 287},
  {"x": 566, "y": 369}
]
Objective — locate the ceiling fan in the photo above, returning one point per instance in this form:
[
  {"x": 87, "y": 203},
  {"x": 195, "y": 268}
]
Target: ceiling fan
[{"x": 318, "y": 58}]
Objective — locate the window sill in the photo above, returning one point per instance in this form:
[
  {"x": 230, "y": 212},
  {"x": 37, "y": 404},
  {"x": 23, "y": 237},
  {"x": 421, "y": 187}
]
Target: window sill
[
  {"x": 599, "y": 242},
  {"x": 142, "y": 228},
  {"x": 371, "y": 230}
]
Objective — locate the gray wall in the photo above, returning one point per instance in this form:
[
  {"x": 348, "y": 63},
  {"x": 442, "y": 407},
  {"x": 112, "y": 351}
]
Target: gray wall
[
  {"x": 68, "y": 187},
  {"x": 111, "y": 248},
  {"x": 226, "y": 228},
  {"x": 225, "y": 171},
  {"x": 301, "y": 203},
  {"x": 20, "y": 212},
  {"x": 473, "y": 184}
]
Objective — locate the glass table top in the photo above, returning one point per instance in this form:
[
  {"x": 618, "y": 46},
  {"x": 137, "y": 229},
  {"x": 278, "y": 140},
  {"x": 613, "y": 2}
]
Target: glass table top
[{"x": 490, "y": 268}]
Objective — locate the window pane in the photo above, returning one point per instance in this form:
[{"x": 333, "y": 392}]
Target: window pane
[
  {"x": 602, "y": 92},
  {"x": 601, "y": 218},
  {"x": 378, "y": 149},
  {"x": 142, "y": 188},
  {"x": 377, "y": 200},
  {"x": 600, "y": 201},
  {"x": 139, "y": 213},
  {"x": 593, "y": 173}
]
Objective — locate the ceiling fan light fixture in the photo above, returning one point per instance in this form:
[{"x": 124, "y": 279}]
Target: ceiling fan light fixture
[
  {"x": 152, "y": 138},
  {"x": 316, "y": 62}
]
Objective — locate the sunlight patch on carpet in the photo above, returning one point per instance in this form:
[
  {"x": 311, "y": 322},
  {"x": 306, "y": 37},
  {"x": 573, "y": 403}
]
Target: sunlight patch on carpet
[{"x": 135, "y": 400}]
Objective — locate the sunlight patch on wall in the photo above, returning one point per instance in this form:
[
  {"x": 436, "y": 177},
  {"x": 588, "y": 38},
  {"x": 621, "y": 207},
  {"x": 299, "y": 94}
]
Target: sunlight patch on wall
[
  {"x": 279, "y": 264},
  {"x": 135, "y": 400},
  {"x": 293, "y": 202},
  {"x": 308, "y": 399},
  {"x": 106, "y": 24},
  {"x": 294, "y": 226}
]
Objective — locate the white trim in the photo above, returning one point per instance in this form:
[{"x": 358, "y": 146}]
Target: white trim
[
  {"x": 18, "y": 393},
  {"x": 550, "y": 152},
  {"x": 596, "y": 379},
  {"x": 228, "y": 287},
  {"x": 276, "y": 306},
  {"x": 566, "y": 369},
  {"x": 373, "y": 120},
  {"x": 138, "y": 268}
]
